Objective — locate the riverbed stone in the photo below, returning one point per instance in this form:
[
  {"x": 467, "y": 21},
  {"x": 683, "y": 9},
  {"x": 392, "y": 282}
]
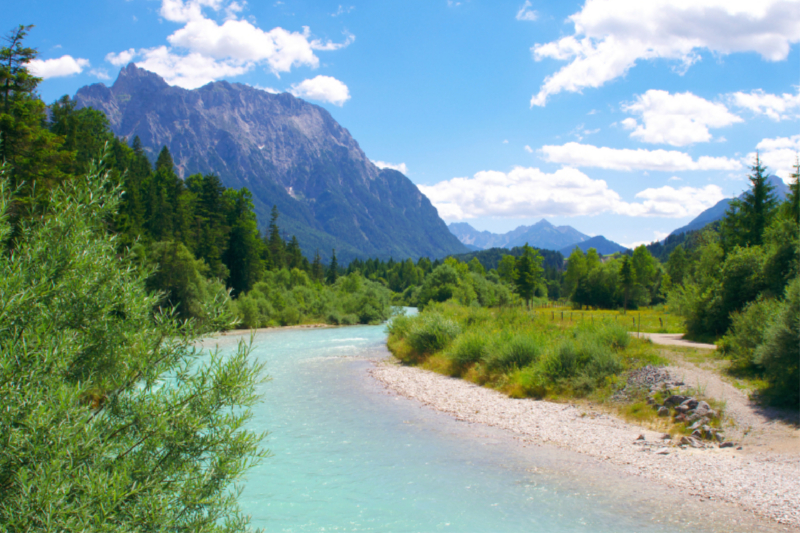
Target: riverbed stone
[{"x": 663, "y": 411}]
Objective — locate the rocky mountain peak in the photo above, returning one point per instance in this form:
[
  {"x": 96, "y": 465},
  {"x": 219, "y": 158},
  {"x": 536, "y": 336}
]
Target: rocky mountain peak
[{"x": 288, "y": 152}]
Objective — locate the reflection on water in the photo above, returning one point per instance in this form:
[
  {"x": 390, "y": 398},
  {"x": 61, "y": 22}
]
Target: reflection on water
[{"x": 348, "y": 456}]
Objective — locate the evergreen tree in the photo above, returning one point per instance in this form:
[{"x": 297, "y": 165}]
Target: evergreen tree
[
  {"x": 333, "y": 269},
  {"x": 677, "y": 264},
  {"x": 84, "y": 132},
  {"x": 243, "y": 255},
  {"x": 277, "y": 248},
  {"x": 317, "y": 270},
  {"x": 627, "y": 278},
  {"x": 748, "y": 217},
  {"x": 529, "y": 273},
  {"x": 794, "y": 193},
  {"x": 31, "y": 152}
]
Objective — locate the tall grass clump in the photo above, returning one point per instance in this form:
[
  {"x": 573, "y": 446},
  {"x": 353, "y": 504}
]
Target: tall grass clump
[
  {"x": 519, "y": 351},
  {"x": 468, "y": 349},
  {"x": 430, "y": 333}
]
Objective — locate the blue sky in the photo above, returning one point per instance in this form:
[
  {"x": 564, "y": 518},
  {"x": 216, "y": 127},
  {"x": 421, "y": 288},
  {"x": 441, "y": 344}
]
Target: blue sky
[{"x": 620, "y": 118}]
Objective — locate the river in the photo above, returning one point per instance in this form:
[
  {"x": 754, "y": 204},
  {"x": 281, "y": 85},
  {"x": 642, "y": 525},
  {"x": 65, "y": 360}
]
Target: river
[{"x": 349, "y": 456}]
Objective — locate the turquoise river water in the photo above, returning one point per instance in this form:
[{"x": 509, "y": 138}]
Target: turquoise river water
[{"x": 349, "y": 456}]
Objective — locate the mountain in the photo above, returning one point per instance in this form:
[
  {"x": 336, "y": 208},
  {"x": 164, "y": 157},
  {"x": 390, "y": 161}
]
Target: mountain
[
  {"x": 288, "y": 153},
  {"x": 542, "y": 235},
  {"x": 599, "y": 243},
  {"x": 712, "y": 214}
]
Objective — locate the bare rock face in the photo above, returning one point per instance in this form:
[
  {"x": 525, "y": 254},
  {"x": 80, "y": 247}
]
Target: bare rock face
[{"x": 289, "y": 153}]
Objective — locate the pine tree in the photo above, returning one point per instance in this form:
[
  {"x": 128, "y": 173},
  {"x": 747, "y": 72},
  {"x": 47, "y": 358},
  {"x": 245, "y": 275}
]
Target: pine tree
[
  {"x": 794, "y": 193},
  {"x": 317, "y": 271},
  {"x": 243, "y": 256},
  {"x": 333, "y": 269},
  {"x": 748, "y": 217},
  {"x": 31, "y": 152},
  {"x": 627, "y": 277},
  {"x": 528, "y": 273},
  {"x": 277, "y": 248}
]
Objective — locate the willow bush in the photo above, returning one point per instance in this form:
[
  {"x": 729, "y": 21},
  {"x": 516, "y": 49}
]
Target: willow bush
[{"x": 111, "y": 420}]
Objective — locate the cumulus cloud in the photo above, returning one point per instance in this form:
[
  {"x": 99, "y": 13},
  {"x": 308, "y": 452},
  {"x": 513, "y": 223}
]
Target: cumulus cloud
[
  {"x": 612, "y": 35},
  {"x": 57, "y": 68},
  {"x": 778, "y": 155},
  {"x": 322, "y": 88},
  {"x": 529, "y": 192},
  {"x": 204, "y": 50},
  {"x": 673, "y": 203},
  {"x": 122, "y": 58},
  {"x": 675, "y": 119},
  {"x": 528, "y": 149},
  {"x": 777, "y": 107},
  {"x": 526, "y": 13},
  {"x": 100, "y": 73},
  {"x": 400, "y": 167},
  {"x": 587, "y": 155}
]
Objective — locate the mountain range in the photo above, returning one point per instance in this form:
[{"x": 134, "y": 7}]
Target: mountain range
[
  {"x": 288, "y": 153},
  {"x": 542, "y": 235}
]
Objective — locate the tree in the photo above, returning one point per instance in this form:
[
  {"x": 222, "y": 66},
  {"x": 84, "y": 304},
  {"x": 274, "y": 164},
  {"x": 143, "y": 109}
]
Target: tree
[
  {"x": 529, "y": 273},
  {"x": 333, "y": 269},
  {"x": 277, "y": 248},
  {"x": 576, "y": 270},
  {"x": 31, "y": 152},
  {"x": 627, "y": 278},
  {"x": 748, "y": 217},
  {"x": 507, "y": 269},
  {"x": 677, "y": 264},
  {"x": 84, "y": 132},
  {"x": 110, "y": 420},
  {"x": 243, "y": 254},
  {"x": 317, "y": 270},
  {"x": 794, "y": 193}
]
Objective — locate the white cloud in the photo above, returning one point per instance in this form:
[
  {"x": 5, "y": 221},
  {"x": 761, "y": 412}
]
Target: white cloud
[
  {"x": 505, "y": 141},
  {"x": 673, "y": 203},
  {"x": 526, "y": 13},
  {"x": 528, "y": 149},
  {"x": 401, "y": 167},
  {"x": 342, "y": 10},
  {"x": 778, "y": 155},
  {"x": 529, "y": 192},
  {"x": 57, "y": 68},
  {"x": 122, "y": 58},
  {"x": 675, "y": 119},
  {"x": 523, "y": 192},
  {"x": 777, "y": 107},
  {"x": 189, "y": 71},
  {"x": 322, "y": 88},
  {"x": 203, "y": 50},
  {"x": 587, "y": 155},
  {"x": 269, "y": 90},
  {"x": 612, "y": 35},
  {"x": 100, "y": 73}
]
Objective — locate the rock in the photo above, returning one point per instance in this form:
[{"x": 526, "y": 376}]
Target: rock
[
  {"x": 696, "y": 425},
  {"x": 728, "y": 444},
  {"x": 651, "y": 400},
  {"x": 666, "y": 436},
  {"x": 691, "y": 403},
  {"x": 702, "y": 409},
  {"x": 663, "y": 451},
  {"x": 640, "y": 437},
  {"x": 675, "y": 400},
  {"x": 691, "y": 441},
  {"x": 663, "y": 411},
  {"x": 680, "y": 417}
]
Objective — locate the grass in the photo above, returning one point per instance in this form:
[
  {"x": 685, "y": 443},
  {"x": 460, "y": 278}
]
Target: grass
[
  {"x": 528, "y": 354},
  {"x": 647, "y": 320},
  {"x": 519, "y": 352}
]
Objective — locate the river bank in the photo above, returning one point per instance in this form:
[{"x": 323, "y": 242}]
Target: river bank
[{"x": 764, "y": 483}]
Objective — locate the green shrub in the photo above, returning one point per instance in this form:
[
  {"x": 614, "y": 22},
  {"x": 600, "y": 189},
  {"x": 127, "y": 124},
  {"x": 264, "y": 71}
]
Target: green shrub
[
  {"x": 615, "y": 335},
  {"x": 780, "y": 353},
  {"x": 518, "y": 352},
  {"x": 349, "y": 320},
  {"x": 399, "y": 326},
  {"x": 468, "y": 349},
  {"x": 431, "y": 333},
  {"x": 290, "y": 316},
  {"x": 333, "y": 318},
  {"x": 747, "y": 333},
  {"x": 563, "y": 362},
  {"x": 247, "y": 310}
]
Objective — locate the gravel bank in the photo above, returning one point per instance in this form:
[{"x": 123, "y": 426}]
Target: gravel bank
[{"x": 766, "y": 484}]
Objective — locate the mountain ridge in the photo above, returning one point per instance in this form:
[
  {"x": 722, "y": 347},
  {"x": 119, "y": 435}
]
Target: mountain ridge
[{"x": 288, "y": 153}]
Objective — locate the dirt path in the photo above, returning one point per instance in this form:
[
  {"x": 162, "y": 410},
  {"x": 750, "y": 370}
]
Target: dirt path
[
  {"x": 674, "y": 339},
  {"x": 756, "y": 428}
]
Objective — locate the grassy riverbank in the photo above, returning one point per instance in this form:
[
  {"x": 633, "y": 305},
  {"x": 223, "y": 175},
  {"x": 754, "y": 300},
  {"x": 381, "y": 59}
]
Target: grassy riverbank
[{"x": 521, "y": 353}]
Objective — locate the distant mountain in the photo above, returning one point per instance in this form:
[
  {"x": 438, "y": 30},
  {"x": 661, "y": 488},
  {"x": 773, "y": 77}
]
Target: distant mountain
[
  {"x": 712, "y": 214},
  {"x": 490, "y": 258},
  {"x": 287, "y": 152},
  {"x": 542, "y": 235},
  {"x": 599, "y": 243}
]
